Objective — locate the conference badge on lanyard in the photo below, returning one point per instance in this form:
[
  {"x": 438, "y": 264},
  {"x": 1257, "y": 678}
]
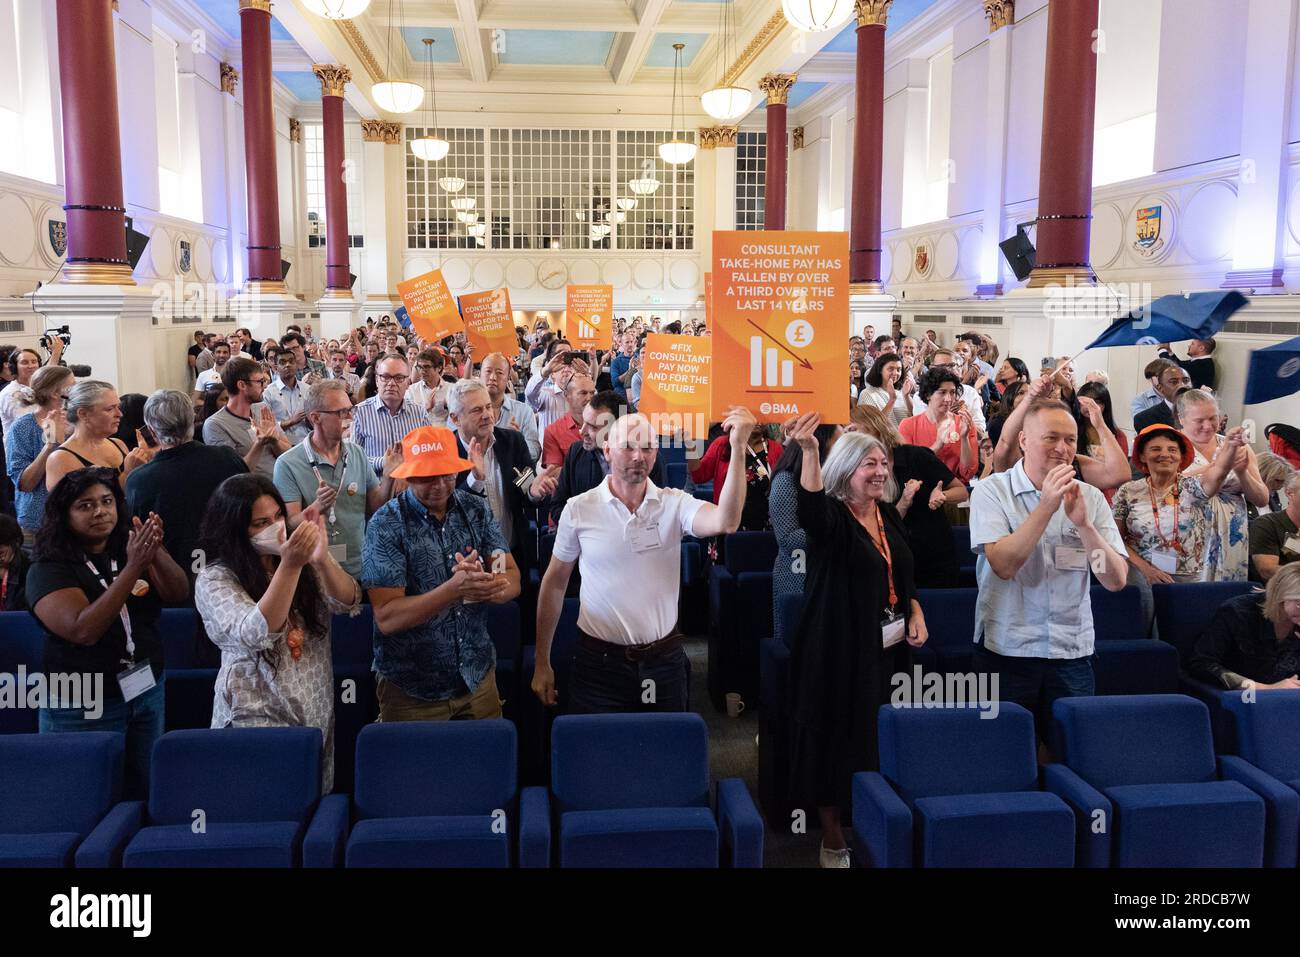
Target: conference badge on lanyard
[{"x": 136, "y": 678}]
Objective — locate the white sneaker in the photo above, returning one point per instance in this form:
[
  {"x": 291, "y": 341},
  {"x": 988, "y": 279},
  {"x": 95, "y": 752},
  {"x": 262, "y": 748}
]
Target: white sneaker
[{"x": 840, "y": 858}]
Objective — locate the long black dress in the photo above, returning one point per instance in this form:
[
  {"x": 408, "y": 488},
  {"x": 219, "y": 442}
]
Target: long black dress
[
  {"x": 839, "y": 672},
  {"x": 928, "y": 531}
]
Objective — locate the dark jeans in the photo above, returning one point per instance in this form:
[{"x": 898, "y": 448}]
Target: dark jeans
[
  {"x": 141, "y": 721},
  {"x": 606, "y": 682},
  {"x": 1035, "y": 683}
]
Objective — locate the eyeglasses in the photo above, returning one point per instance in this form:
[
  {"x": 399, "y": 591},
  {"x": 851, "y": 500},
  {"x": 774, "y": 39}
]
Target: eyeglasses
[
  {"x": 384, "y": 377},
  {"x": 259, "y": 381},
  {"x": 341, "y": 413}
]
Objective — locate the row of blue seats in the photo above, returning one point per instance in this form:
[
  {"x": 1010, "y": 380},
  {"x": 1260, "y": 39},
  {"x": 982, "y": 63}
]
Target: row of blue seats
[
  {"x": 626, "y": 791},
  {"x": 1138, "y": 784},
  {"x": 1127, "y": 661}
]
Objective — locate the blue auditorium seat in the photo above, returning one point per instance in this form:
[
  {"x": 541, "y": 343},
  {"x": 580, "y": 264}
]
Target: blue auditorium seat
[
  {"x": 356, "y": 702},
  {"x": 740, "y": 603},
  {"x": 958, "y": 788},
  {"x": 22, "y": 643},
  {"x": 1126, "y": 659},
  {"x": 189, "y": 681},
  {"x": 950, "y": 619},
  {"x": 59, "y": 795},
  {"x": 676, "y": 474},
  {"x": 257, "y": 789},
  {"x": 503, "y": 626},
  {"x": 774, "y": 711},
  {"x": 1143, "y": 768},
  {"x": 632, "y": 790},
  {"x": 532, "y": 720},
  {"x": 1266, "y": 728},
  {"x": 439, "y": 794}
]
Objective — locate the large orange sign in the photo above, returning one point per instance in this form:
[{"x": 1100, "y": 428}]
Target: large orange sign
[
  {"x": 675, "y": 378},
  {"x": 589, "y": 316},
  {"x": 780, "y": 321},
  {"x": 489, "y": 322},
  {"x": 431, "y": 306}
]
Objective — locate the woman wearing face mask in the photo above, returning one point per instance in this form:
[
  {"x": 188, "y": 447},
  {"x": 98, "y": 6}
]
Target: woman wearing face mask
[
  {"x": 97, "y": 585},
  {"x": 1228, "y": 548},
  {"x": 945, "y": 427},
  {"x": 266, "y": 602},
  {"x": 860, "y": 616}
]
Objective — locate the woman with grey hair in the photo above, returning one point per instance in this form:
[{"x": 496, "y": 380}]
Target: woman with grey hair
[
  {"x": 94, "y": 412},
  {"x": 860, "y": 615}
]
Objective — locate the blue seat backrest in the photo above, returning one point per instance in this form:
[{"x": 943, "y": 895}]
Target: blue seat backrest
[
  {"x": 671, "y": 452},
  {"x": 949, "y": 616},
  {"x": 235, "y": 775},
  {"x": 1183, "y": 611},
  {"x": 615, "y": 761},
  {"x": 178, "y": 629},
  {"x": 1117, "y": 614},
  {"x": 928, "y": 752},
  {"x": 58, "y": 782},
  {"x": 750, "y": 552},
  {"x": 1268, "y": 731},
  {"x": 789, "y": 609},
  {"x": 676, "y": 474},
  {"x": 503, "y": 626},
  {"x": 961, "y": 546},
  {"x": 22, "y": 642},
  {"x": 435, "y": 768},
  {"x": 353, "y": 639},
  {"x": 1114, "y": 740}
]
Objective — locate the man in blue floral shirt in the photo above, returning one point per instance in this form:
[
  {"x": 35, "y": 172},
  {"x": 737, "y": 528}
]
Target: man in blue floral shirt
[{"x": 432, "y": 558}]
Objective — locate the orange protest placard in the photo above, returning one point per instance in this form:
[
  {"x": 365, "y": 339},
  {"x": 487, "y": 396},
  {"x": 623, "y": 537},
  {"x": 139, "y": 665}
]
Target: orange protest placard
[
  {"x": 489, "y": 322},
  {"x": 675, "y": 384},
  {"x": 780, "y": 321},
  {"x": 431, "y": 306},
  {"x": 589, "y": 316}
]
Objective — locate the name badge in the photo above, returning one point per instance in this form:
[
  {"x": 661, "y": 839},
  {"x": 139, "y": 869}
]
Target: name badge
[
  {"x": 891, "y": 630},
  {"x": 1165, "y": 559},
  {"x": 1292, "y": 545},
  {"x": 136, "y": 680},
  {"x": 1071, "y": 559},
  {"x": 339, "y": 552},
  {"x": 644, "y": 537}
]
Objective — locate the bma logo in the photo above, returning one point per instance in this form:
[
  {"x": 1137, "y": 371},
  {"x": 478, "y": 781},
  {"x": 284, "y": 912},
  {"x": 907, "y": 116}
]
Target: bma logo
[
  {"x": 420, "y": 448},
  {"x": 779, "y": 408},
  {"x": 1148, "y": 341},
  {"x": 1288, "y": 368}
]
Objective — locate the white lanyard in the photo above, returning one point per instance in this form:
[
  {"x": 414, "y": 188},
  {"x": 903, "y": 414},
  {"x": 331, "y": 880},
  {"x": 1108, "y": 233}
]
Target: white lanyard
[
  {"x": 342, "y": 468},
  {"x": 121, "y": 612}
]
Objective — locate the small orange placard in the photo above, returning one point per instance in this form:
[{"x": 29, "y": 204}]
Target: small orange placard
[
  {"x": 589, "y": 316},
  {"x": 489, "y": 322},
  {"x": 431, "y": 306},
  {"x": 675, "y": 384},
  {"x": 780, "y": 323}
]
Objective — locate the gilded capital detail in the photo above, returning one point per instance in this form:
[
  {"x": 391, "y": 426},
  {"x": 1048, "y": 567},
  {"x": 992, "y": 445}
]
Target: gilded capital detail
[
  {"x": 332, "y": 78},
  {"x": 379, "y": 131},
  {"x": 295, "y": 130},
  {"x": 871, "y": 12},
  {"x": 263, "y": 5},
  {"x": 1000, "y": 13},
  {"x": 798, "y": 137},
  {"x": 229, "y": 79},
  {"x": 777, "y": 87}
]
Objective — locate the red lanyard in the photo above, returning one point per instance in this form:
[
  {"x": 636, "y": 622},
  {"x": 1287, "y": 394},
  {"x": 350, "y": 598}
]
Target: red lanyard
[
  {"x": 4, "y": 587},
  {"x": 1155, "y": 515},
  {"x": 883, "y": 546}
]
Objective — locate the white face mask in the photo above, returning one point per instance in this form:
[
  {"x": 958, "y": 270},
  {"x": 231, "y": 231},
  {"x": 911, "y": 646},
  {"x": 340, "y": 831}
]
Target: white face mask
[{"x": 269, "y": 540}]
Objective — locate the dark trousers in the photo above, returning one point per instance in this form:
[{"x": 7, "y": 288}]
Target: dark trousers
[
  {"x": 1035, "y": 683},
  {"x": 606, "y": 682}
]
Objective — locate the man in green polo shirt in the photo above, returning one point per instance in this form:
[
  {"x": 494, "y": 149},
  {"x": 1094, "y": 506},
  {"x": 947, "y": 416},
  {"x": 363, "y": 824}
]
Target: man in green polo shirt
[
  {"x": 1275, "y": 538},
  {"x": 327, "y": 468}
]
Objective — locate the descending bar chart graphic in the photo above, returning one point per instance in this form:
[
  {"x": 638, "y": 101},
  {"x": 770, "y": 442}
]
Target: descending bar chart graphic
[
  {"x": 764, "y": 365},
  {"x": 586, "y": 330}
]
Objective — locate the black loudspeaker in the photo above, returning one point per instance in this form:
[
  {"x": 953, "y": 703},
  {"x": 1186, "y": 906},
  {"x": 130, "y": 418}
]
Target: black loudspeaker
[
  {"x": 135, "y": 243},
  {"x": 285, "y": 266},
  {"x": 352, "y": 280},
  {"x": 1019, "y": 252}
]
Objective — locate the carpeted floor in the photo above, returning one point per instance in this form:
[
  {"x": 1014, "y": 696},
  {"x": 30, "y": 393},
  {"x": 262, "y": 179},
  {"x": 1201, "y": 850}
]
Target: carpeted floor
[{"x": 733, "y": 753}]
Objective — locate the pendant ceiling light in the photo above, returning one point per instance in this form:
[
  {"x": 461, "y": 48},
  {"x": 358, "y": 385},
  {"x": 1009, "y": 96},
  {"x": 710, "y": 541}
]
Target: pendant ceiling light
[
  {"x": 430, "y": 147},
  {"x": 477, "y": 229},
  {"x": 336, "y": 9},
  {"x": 626, "y": 203},
  {"x": 463, "y": 203},
  {"x": 725, "y": 101},
  {"x": 599, "y": 232},
  {"x": 616, "y": 217},
  {"x": 814, "y": 16},
  {"x": 467, "y": 217},
  {"x": 643, "y": 186},
  {"x": 452, "y": 184},
  {"x": 677, "y": 150},
  {"x": 393, "y": 96}
]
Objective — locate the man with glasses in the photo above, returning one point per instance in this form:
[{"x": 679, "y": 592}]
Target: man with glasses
[
  {"x": 330, "y": 470},
  {"x": 383, "y": 420},
  {"x": 309, "y": 369},
  {"x": 429, "y": 391},
  {"x": 494, "y": 373},
  {"x": 247, "y": 424}
]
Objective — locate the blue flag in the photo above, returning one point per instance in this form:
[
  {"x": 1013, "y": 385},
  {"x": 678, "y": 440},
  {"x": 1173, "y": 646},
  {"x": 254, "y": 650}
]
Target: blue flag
[
  {"x": 1274, "y": 372},
  {"x": 1175, "y": 318},
  {"x": 403, "y": 317}
]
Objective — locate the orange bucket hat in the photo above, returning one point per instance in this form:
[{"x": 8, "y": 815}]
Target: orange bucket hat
[
  {"x": 1169, "y": 432},
  {"x": 428, "y": 452}
]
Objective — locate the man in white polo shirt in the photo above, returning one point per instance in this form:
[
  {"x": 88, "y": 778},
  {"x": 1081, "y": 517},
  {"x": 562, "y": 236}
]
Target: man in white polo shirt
[{"x": 625, "y": 538}]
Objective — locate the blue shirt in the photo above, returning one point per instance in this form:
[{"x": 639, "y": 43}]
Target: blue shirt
[
  {"x": 286, "y": 403},
  {"x": 1043, "y": 612},
  {"x": 407, "y": 547},
  {"x": 374, "y": 428},
  {"x": 1145, "y": 401},
  {"x": 22, "y": 445},
  {"x": 616, "y": 369}
]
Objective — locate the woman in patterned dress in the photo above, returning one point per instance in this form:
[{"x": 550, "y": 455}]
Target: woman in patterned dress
[
  {"x": 266, "y": 603},
  {"x": 1228, "y": 558}
]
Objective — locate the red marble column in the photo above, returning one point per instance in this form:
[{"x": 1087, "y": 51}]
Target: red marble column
[
  {"x": 868, "y": 144},
  {"x": 1065, "y": 166},
  {"x": 259, "y": 148},
  {"x": 777, "y": 87},
  {"x": 92, "y": 152},
  {"x": 337, "y": 277}
]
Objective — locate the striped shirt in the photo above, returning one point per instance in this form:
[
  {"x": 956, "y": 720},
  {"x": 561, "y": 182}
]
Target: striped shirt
[
  {"x": 374, "y": 428},
  {"x": 548, "y": 399}
]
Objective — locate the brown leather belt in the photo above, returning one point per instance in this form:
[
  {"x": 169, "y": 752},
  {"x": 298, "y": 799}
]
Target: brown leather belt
[{"x": 655, "y": 649}]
